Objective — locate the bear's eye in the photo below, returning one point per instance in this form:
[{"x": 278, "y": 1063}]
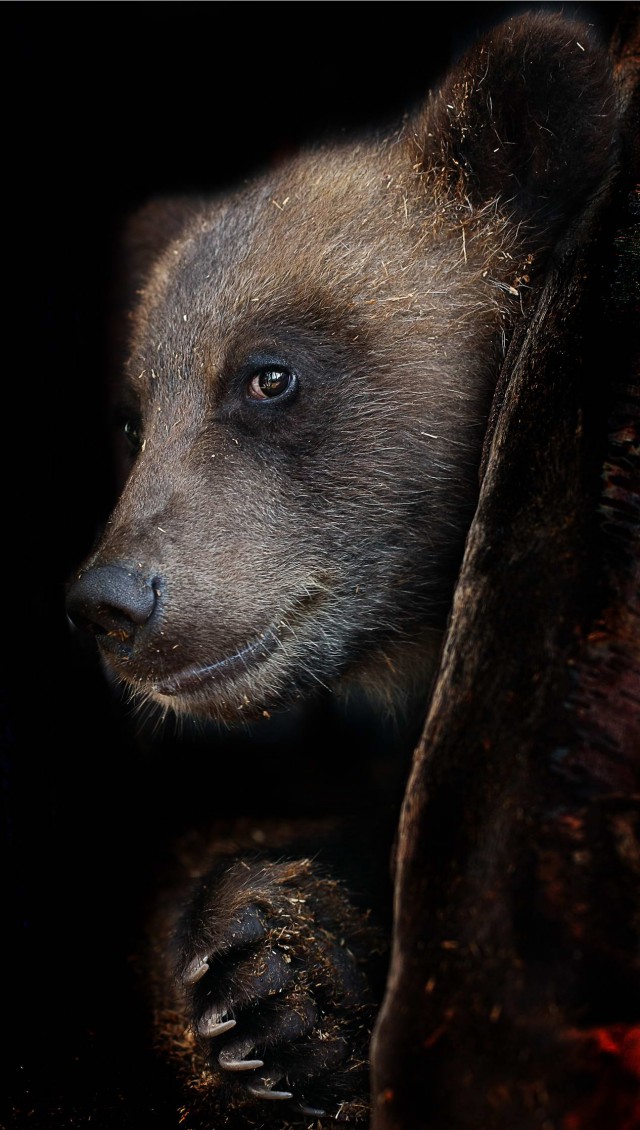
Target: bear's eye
[
  {"x": 133, "y": 432},
  {"x": 272, "y": 382}
]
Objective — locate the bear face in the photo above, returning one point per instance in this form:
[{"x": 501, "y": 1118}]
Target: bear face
[
  {"x": 296, "y": 498},
  {"x": 311, "y": 364}
]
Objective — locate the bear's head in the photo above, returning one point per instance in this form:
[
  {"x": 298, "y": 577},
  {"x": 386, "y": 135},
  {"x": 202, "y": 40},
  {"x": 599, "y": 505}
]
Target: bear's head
[{"x": 311, "y": 363}]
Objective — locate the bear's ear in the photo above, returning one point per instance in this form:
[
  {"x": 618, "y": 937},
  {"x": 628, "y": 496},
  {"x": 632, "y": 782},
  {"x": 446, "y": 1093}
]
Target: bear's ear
[
  {"x": 528, "y": 116},
  {"x": 148, "y": 232},
  {"x": 143, "y": 237}
]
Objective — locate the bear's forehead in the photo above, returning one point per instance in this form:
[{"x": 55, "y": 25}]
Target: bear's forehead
[
  {"x": 331, "y": 244},
  {"x": 326, "y": 231},
  {"x": 324, "y": 221}
]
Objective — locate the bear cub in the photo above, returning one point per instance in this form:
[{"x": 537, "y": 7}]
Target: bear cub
[{"x": 310, "y": 367}]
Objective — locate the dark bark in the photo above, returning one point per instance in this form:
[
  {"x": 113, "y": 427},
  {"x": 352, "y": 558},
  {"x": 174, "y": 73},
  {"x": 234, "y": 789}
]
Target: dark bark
[{"x": 514, "y": 996}]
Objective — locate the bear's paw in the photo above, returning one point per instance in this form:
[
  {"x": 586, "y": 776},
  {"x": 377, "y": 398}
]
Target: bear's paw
[{"x": 271, "y": 963}]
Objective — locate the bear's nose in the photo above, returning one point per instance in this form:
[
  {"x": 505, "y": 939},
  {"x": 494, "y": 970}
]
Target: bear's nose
[{"x": 112, "y": 600}]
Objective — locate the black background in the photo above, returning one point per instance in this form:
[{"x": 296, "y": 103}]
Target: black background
[{"x": 106, "y": 104}]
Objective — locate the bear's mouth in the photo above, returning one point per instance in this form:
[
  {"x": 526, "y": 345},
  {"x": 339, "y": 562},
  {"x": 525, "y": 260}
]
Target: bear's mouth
[{"x": 195, "y": 677}]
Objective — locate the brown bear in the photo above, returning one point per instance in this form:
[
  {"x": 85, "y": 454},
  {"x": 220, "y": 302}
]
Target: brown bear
[{"x": 310, "y": 366}]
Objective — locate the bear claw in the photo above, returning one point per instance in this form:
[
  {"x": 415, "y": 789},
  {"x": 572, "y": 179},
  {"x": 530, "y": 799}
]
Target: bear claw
[
  {"x": 230, "y": 1058},
  {"x": 211, "y": 1025},
  {"x": 195, "y": 970},
  {"x": 262, "y": 1091}
]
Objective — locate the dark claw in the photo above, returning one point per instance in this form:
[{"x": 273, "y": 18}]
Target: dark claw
[
  {"x": 311, "y": 1111},
  {"x": 211, "y": 1024}
]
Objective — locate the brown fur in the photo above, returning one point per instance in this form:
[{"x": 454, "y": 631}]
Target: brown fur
[{"x": 315, "y": 540}]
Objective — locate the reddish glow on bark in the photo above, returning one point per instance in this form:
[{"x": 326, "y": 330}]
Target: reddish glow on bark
[{"x": 613, "y": 1055}]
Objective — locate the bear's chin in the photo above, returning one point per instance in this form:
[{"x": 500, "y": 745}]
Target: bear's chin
[{"x": 271, "y": 674}]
